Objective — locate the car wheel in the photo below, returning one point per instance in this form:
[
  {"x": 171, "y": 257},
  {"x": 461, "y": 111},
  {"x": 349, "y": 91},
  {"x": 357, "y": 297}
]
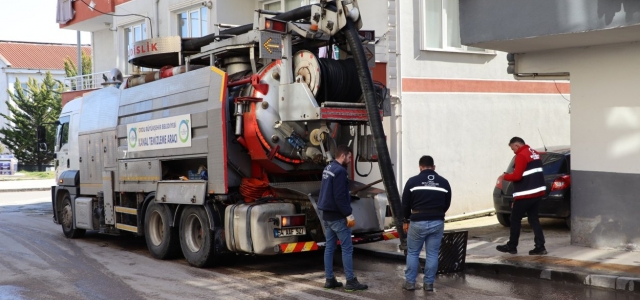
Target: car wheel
[
  {"x": 162, "y": 239},
  {"x": 196, "y": 239},
  {"x": 66, "y": 219},
  {"x": 504, "y": 219},
  {"x": 568, "y": 221}
]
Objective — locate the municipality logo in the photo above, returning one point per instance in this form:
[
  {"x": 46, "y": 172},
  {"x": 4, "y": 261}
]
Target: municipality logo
[
  {"x": 183, "y": 131},
  {"x": 133, "y": 137}
]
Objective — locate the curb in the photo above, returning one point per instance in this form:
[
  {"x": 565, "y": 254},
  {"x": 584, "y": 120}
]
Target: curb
[
  {"x": 617, "y": 282},
  {"x": 25, "y": 190}
]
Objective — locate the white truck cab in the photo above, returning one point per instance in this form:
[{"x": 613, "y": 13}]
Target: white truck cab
[{"x": 66, "y": 147}]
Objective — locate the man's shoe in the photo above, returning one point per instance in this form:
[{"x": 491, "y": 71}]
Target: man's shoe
[
  {"x": 507, "y": 249},
  {"x": 538, "y": 251},
  {"x": 409, "y": 286},
  {"x": 332, "y": 283},
  {"x": 354, "y": 285},
  {"x": 428, "y": 287}
]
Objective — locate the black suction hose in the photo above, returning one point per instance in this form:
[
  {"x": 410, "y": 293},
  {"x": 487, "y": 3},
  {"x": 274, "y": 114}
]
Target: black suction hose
[
  {"x": 303, "y": 12},
  {"x": 384, "y": 160}
]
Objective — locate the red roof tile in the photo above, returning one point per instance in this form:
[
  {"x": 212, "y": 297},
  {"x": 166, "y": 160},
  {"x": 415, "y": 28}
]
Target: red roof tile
[{"x": 22, "y": 55}]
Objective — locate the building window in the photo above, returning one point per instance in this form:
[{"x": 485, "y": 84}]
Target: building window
[
  {"x": 440, "y": 27},
  {"x": 132, "y": 34},
  {"x": 193, "y": 22},
  {"x": 285, "y": 5}
]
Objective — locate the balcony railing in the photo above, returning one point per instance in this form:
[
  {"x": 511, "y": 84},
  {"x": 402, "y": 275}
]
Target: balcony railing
[{"x": 85, "y": 82}]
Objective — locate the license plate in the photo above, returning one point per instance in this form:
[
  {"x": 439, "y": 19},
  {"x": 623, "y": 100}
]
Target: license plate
[{"x": 290, "y": 231}]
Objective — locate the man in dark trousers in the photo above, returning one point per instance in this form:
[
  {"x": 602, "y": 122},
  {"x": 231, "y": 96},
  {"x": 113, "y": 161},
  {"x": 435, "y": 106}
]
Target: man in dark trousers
[
  {"x": 528, "y": 189},
  {"x": 335, "y": 203},
  {"x": 425, "y": 200}
]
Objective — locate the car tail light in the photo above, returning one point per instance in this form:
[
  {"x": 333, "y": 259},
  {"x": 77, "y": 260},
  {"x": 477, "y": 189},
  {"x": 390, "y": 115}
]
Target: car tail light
[
  {"x": 275, "y": 25},
  {"x": 561, "y": 183},
  {"x": 293, "y": 221},
  {"x": 499, "y": 182}
]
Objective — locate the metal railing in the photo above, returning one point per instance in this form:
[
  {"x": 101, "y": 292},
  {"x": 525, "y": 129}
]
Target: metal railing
[{"x": 84, "y": 82}]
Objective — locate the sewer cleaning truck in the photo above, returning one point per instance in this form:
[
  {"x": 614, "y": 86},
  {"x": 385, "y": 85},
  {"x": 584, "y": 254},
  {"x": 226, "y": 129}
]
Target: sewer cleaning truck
[{"x": 221, "y": 149}]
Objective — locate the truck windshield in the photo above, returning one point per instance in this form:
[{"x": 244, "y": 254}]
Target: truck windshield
[{"x": 62, "y": 133}]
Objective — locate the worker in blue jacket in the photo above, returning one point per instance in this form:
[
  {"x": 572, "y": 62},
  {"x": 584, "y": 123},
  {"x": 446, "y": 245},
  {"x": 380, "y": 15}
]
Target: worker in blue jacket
[
  {"x": 425, "y": 200},
  {"x": 335, "y": 204}
]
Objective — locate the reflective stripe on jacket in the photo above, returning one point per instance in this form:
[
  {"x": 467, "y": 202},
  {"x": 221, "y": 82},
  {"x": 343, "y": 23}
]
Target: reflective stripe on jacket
[
  {"x": 426, "y": 196},
  {"x": 527, "y": 175}
]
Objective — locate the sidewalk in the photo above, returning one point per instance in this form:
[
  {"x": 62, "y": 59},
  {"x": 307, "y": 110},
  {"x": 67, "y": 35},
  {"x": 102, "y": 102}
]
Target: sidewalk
[
  {"x": 613, "y": 269},
  {"x": 26, "y": 185}
]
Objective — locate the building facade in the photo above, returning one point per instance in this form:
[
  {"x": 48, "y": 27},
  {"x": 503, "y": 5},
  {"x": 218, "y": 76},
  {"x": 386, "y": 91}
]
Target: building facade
[
  {"x": 450, "y": 101},
  {"x": 22, "y": 60},
  {"x": 595, "y": 44}
]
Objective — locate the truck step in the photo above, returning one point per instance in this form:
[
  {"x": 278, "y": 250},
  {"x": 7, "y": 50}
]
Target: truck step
[
  {"x": 126, "y": 210},
  {"x": 127, "y": 227}
]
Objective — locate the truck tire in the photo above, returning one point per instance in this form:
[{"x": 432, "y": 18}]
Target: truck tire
[
  {"x": 504, "y": 219},
  {"x": 196, "y": 239},
  {"x": 66, "y": 219},
  {"x": 162, "y": 239}
]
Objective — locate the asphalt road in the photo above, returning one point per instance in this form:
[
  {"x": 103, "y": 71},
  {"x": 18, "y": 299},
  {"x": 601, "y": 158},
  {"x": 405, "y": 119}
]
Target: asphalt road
[{"x": 38, "y": 262}]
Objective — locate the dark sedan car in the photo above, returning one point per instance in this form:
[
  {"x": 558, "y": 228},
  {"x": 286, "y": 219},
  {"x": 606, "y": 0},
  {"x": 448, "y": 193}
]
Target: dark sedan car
[{"x": 556, "y": 203}]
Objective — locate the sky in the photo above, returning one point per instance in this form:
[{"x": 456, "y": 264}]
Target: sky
[{"x": 34, "y": 21}]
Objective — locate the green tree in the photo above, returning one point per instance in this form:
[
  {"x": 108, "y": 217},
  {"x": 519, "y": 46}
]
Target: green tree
[
  {"x": 71, "y": 70},
  {"x": 40, "y": 103}
]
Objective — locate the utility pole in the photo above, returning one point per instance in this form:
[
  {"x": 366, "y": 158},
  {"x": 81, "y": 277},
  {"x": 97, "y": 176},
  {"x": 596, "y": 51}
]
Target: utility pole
[{"x": 79, "y": 84}]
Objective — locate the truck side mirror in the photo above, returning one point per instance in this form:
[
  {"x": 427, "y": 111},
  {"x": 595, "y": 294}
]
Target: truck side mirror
[{"x": 41, "y": 134}]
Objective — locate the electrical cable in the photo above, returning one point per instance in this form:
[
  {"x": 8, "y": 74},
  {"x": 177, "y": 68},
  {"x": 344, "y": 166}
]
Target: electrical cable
[
  {"x": 125, "y": 15},
  {"x": 563, "y": 97},
  {"x": 559, "y": 92},
  {"x": 383, "y": 93},
  {"x": 356, "y": 167}
]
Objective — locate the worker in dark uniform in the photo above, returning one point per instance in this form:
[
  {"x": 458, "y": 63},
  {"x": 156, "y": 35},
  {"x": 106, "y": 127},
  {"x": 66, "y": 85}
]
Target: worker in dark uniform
[
  {"x": 335, "y": 204},
  {"x": 528, "y": 189},
  {"x": 425, "y": 200}
]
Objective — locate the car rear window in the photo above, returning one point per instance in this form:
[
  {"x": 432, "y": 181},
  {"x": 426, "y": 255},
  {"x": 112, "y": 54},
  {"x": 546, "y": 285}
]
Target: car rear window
[{"x": 551, "y": 164}]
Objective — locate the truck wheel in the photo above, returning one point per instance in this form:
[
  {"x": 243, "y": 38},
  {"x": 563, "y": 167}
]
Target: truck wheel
[
  {"x": 66, "y": 219},
  {"x": 196, "y": 239},
  {"x": 504, "y": 219},
  {"x": 162, "y": 239}
]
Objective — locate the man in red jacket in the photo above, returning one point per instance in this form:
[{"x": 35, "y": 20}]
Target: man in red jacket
[{"x": 528, "y": 189}]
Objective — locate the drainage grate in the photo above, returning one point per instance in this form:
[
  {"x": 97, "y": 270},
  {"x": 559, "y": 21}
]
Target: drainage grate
[{"x": 453, "y": 251}]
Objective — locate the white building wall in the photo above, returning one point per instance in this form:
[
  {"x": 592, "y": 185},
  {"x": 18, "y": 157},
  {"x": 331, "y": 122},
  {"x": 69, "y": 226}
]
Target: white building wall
[
  {"x": 164, "y": 24},
  {"x": 104, "y": 50},
  {"x": 467, "y": 133}
]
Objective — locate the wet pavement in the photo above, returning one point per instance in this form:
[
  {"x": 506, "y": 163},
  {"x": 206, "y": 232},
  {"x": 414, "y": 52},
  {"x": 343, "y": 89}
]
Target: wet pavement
[
  {"x": 38, "y": 262},
  {"x": 605, "y": 268}
]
